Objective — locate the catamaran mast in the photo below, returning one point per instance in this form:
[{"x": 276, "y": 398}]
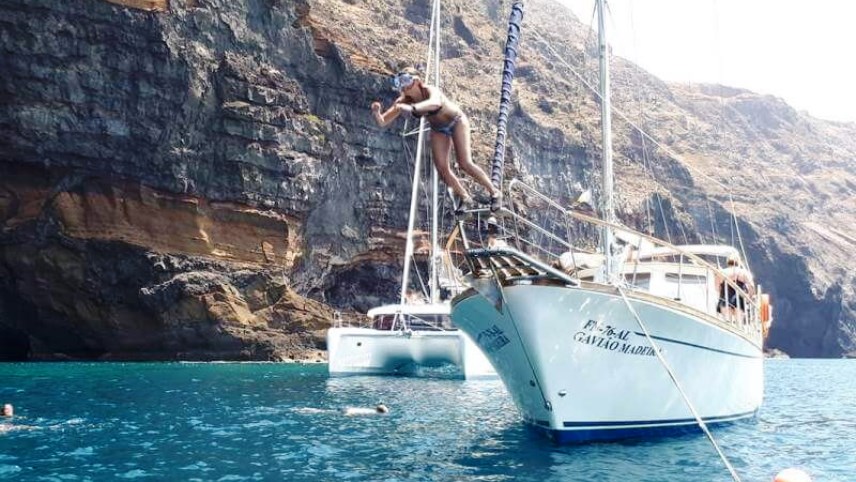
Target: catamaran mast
[
  {"x": 417, "y": 167},
  {"x": 434, "y": 292},
  {"x": 607, "y": 208}
]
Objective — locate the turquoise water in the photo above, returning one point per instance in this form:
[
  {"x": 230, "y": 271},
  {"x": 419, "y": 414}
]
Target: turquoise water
[{"x": 172, "y": 421}]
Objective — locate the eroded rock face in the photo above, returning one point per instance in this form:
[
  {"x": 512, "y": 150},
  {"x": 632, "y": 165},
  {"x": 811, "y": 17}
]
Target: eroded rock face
[
  {"x": 201, "y": 179},
  {"x": 85, "y": 274},
  {"x": 158, "y": 173}
]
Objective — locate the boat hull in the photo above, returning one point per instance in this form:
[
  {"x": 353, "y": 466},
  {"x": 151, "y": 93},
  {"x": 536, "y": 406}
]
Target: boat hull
[
  {"x": 366, "y": 351},
  {"x": 578, "y": 365}
]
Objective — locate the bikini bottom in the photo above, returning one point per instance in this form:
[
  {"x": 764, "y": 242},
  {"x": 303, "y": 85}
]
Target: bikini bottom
[{"x": 448, "y": 128}]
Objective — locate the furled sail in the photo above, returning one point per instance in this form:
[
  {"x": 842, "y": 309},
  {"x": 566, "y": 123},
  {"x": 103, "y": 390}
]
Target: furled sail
[{"x": 514, "y": 21}]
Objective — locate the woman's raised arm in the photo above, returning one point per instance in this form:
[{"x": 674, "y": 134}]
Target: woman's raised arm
[
  {"x": 432, "y": 103},
  {"x": 384, "y": 118}
]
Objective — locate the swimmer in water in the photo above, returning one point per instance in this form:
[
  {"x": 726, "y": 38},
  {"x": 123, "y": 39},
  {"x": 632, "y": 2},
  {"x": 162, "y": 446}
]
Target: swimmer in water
[
  {"x": 7, "y": 412},
  {"x": 379, "y": 409}
]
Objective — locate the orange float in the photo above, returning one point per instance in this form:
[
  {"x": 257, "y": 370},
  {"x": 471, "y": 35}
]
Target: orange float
[{"x": 766, "y": 312}]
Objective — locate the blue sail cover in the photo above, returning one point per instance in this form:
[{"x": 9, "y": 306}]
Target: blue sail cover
[{"x": 514, "y": 20}]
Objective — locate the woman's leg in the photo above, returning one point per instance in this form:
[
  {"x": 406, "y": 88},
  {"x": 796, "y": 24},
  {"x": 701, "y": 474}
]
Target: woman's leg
[
  {"x": 440, "y": 147},
  {"x": 461, "y": 139}
]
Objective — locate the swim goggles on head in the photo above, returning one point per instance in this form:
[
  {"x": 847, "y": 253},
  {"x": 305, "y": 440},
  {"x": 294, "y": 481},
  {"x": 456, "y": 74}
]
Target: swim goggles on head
[{"x": 401, "y": 80}]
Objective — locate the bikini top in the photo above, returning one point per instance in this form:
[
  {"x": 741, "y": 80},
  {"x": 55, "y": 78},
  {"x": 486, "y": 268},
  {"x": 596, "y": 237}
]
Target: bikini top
[{"x": 431, "y": 112}]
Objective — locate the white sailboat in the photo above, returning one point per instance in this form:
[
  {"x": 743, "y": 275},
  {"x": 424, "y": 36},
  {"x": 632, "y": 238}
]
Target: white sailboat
[
  {"x": 622, "y": 341},
  {"x": 411, "y": 338}
]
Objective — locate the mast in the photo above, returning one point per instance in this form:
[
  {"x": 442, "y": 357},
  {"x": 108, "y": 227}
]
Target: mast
[
  {"x": 434, "y": 292},
  {"x": 607, "y": 208},
  {"x": 417, "y": 165}
]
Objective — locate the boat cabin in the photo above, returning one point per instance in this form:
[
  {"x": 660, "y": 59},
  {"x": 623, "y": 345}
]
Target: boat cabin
[{"x": 427, "y": 317}]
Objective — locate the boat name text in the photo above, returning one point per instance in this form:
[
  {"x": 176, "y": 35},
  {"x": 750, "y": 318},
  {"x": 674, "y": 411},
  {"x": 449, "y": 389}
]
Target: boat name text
[
  {"x": 604, "y": 336},
  {"x": 492, "y": 339}
]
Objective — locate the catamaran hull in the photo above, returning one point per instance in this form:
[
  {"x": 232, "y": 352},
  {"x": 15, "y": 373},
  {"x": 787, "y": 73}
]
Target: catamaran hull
[
  {"x": 365, "y": 351},
  {"x": 578, "y": 365}
]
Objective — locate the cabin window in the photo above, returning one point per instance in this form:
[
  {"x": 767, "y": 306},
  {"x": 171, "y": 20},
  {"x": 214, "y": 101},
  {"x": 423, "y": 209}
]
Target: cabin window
[
  {"x": 430, "y": 322},
  {"x": 686, "y": 278},
  {"x": 640, "y": 281},
  {"x": 383, "y": 322}
]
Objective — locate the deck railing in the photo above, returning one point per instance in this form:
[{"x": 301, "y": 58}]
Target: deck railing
[{"x": 567, "y": 239}]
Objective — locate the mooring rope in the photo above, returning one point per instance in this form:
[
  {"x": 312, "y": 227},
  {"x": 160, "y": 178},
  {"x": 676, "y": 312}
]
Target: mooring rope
[{"x": 678, "y": 386}]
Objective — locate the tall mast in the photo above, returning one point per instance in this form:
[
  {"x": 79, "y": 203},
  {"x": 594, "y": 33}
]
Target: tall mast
[
  {"x": 434, "y": 292},
  {"x": 417, "y": 165},
  {"x": 607, "y": 209}
]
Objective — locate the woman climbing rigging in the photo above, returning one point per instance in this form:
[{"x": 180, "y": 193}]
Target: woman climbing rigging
[{"x": 449, "y": 126}]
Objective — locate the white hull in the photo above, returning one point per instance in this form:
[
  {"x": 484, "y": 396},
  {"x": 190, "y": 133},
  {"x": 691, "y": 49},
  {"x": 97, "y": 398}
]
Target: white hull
[
  {"x": 366, "y": 351},
  {"x": 578, "y": 365}
]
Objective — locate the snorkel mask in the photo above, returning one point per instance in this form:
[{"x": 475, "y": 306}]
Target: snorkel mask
[{"x": 401, "y": 81}]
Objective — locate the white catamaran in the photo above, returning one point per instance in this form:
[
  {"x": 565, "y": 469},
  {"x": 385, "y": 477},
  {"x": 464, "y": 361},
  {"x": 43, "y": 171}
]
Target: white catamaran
[
  {"x": 625, "y": 340},
  {"x": 411, "y": 338}
]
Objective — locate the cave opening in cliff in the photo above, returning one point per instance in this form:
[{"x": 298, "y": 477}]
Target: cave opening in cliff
[{"x": 14, "y": 344}]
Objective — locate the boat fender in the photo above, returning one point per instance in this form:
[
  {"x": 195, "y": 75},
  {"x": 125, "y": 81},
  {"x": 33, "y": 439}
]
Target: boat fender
[
  {"x": 765, "y": 307},
  {"x": 766, "y": 313},
  {"x": 792, "y": 475}
]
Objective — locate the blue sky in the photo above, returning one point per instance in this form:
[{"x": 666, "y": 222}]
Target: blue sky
[{"x": 801, "y": 51}]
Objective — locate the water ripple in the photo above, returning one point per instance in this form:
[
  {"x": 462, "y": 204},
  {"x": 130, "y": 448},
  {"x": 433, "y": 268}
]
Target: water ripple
[{"x": 172, "y": 421}]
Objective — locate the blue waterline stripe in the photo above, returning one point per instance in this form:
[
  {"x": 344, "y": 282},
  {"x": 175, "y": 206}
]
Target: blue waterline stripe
[
  {"x": 592, "y": 435},
  {"x": 659, "y": 423},
  {"x": 660, "y": 338},
  {"x": 583, "y": 435}
]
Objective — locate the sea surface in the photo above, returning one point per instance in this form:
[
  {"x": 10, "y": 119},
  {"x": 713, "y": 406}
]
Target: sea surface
[{"x": 248, "y": 421}]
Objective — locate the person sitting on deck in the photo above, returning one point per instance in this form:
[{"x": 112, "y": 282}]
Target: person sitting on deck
[
  {"x": 732, "y": 302},
  {"x": 449, "y": 126},
  {"x": 572, "y": 261}
]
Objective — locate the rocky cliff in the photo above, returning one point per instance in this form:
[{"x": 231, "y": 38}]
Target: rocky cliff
[{"x": 200, "y": 179}]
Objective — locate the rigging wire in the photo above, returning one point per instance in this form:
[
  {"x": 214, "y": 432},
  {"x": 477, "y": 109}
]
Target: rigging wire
[
  {"x": 745, "y": 259},
  {"x": 641, "y": 104},
  {"x": 712, "y": 221},
  {"x": 663, "y": 215},
  {"x": 625, "y": 118},
  {"x": 643, "y": 132},
  {"x": 645, "y": 159},
  {"x": 683, "y": 231},
  {"x": 669, "y": 152}
]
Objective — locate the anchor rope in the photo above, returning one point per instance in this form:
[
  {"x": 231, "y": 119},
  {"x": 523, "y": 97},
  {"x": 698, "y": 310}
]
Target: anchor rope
[{"x": 689, "y": 403}]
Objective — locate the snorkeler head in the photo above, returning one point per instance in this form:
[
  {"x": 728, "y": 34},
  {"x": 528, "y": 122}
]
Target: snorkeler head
[
  {"x": 401, "y": 81},
  {"x": 404, "y": 78}
]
